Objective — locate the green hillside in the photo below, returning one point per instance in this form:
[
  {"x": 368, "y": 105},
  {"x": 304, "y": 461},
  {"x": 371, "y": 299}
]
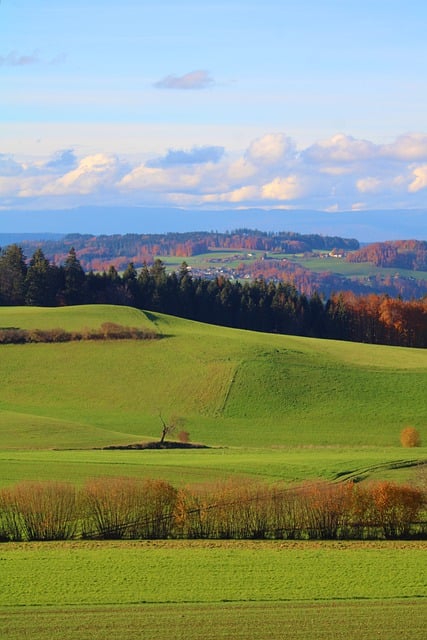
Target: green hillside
[{"x": 234, "y": 388}]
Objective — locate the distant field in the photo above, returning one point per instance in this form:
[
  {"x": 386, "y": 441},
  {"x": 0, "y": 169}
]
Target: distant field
[
  {"x": 354, "y": 269},
  {"x": 234, "y": 257},
  {"x": 227, "y": 589}
]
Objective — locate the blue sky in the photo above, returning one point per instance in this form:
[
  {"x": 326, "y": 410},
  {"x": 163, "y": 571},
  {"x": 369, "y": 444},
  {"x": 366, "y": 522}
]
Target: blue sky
[{"x": 208, "y": 105}]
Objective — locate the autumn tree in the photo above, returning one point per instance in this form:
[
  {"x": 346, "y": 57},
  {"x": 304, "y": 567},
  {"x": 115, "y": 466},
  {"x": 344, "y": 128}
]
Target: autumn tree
[{"x": 410, "y": 437}]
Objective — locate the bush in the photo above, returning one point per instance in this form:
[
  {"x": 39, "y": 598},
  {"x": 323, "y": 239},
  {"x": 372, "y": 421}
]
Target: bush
[
  {"x": 118, "y": 508},
  {"x": 410, "y": 437},
  {"x": 39, "y": 511}
]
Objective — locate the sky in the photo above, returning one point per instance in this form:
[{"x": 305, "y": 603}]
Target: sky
[{"x": 216, "y": 105}]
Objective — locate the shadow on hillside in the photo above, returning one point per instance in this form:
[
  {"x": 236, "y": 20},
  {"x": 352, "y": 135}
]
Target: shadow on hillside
[{"x": 156, "y": 445}]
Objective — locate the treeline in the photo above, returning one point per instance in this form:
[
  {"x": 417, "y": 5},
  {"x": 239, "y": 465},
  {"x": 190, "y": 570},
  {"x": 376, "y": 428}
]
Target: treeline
[
  {"x": 258, "y": 305},
  {"x": 129, "y": 508},
  {"x": 99, "y": 252},
  {"x": 401, "y": 254}
]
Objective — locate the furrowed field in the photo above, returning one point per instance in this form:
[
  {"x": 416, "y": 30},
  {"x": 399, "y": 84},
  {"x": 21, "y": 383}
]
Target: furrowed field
[{"x": 269, "y": 407}]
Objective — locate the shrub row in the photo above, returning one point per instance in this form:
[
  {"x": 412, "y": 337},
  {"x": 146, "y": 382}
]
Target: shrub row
[
  {"x": 107, "y": 331},
  {"x": 116, "y": 508}
]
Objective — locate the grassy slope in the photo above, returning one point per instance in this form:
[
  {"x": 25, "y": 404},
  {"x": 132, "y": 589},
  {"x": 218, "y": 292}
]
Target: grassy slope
[{"x": 235, "y": 388}]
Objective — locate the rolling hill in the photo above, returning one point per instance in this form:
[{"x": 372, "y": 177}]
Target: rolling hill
[{"x": 234, "y": 388}]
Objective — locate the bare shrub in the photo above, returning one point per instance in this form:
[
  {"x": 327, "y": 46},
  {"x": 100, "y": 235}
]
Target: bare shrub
[
  {"x": 157, "y": 507},
  {"x": 184, "y": 437},
  {"x": 325, "y": 508},
  {"x": 128, "y": 508},
  {"x": 40, "y": 511}
]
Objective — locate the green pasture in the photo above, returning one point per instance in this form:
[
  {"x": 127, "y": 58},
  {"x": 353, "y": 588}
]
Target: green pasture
[
  {"x": 190, "y": 467},
  {"x": 71, "y": 318},
  {"x": 213, "y": 589},
  {"x": 354, "y": 269},
  {"x": 276, "y": 406}
]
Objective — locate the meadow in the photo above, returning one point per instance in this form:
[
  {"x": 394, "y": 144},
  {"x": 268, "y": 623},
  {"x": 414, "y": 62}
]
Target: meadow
[
  {"x": 270, "y": 407},
  {"x": 220, "y": 589}
]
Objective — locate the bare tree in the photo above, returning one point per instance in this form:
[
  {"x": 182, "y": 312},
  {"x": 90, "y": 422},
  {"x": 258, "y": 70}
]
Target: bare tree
[{"x": 168, "y": 428}]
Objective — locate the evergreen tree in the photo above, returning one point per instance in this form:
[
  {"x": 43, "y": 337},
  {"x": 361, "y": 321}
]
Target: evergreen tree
[
  {"x": 13, "y": 271},
  {"x": 74, "y": 279},
  {"x": 41, "y": 281}
]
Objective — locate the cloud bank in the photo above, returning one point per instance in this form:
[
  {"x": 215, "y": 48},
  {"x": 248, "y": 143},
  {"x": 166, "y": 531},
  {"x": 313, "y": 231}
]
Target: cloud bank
[{"x": 341, "y": 173}]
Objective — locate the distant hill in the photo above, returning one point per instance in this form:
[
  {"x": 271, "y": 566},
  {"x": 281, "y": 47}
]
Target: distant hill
[
  {"x": 367, "y": 226},
  {"x": 404, "y": 254},
  {"x": 311, "y": 262},
  {"x": 19, "y": 238}
]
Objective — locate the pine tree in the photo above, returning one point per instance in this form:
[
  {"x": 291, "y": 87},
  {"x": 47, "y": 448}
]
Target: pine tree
[
  {"x": 13, "y": 270},
  {"x": 74, "y": 279}
]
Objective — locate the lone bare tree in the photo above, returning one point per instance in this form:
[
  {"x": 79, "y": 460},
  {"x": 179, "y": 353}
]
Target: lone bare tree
[{"x": 168, "y": 428}]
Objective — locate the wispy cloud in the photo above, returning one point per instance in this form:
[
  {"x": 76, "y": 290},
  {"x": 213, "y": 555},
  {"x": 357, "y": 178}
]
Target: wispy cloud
[
  {"x": 15, "y": 59},
  {"x": 198, "y": 79}
]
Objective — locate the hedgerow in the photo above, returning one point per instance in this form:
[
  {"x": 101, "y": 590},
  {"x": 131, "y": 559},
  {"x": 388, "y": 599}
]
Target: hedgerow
[{"x": 130, "y": 508}]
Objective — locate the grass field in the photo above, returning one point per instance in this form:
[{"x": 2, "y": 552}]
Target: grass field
[
  {"x": 270, "y": 407},
  {"x": 213, "y": 589},
  {"x": 279, "y": 407}
]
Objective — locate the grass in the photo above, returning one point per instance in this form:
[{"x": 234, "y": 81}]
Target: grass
[
  {"x": 179, "y": 467},
  {"x": 360, "y": 270},
  {"x": 280, "y": 407},
  {"x": 159, "y": 572},
  {"x": 218, "y": 589},
  {"x": 234, "y": 388},
  {"x": 358, "y": 620}
]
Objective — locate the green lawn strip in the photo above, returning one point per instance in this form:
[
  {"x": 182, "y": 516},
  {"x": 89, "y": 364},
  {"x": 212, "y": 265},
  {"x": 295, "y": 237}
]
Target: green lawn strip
[
  {"x": 181, "y": 467},
  {"x": 354, "y": 620},
  {"x": 71, "y": 318},
  {"x": 107, "y": 573}
]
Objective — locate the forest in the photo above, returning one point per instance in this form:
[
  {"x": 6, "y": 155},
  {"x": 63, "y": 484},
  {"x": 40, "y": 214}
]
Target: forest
[
  {"x": 276, "y": 307},
  {"x": 99, "y": 252}
]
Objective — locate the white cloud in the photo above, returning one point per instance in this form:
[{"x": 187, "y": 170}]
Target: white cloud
[
  {"x": 410, "y": 147},
  {"x": 369, "y": 185},
  {"x": 158, "y": 179},
  {"x": 289, "y": 188},
  {"x": 420, "y": 181},
  {"x": 271, "y": 149},
  {"x": 329, "y": 175},
  {"x": 341, "y": 149},
  {"x": 196, "y": 155},
  {"x": 92, "y": 173}
]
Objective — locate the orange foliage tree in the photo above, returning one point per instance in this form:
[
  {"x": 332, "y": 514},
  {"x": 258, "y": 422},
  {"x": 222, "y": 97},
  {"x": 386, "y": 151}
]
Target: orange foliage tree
[{"x": 410, "y": 437}]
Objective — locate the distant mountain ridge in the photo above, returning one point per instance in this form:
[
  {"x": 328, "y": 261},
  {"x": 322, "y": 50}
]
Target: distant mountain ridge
[
  {"x": 18, "y": 238},
  {"x": 366, "y": 226}
]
